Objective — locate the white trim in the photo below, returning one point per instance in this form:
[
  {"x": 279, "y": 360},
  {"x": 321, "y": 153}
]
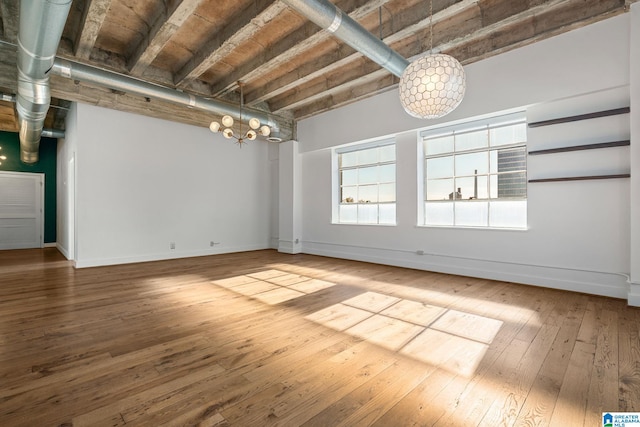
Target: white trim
[
  {"x": 465, "y": 126},
  {"x": 569, "y": 279},
  {"x": 358, "y": 146},
  {"x": 633, "y": 296},
  {"x": 63, "y": 251},
  {"x": 289, "y": 247},
  {"x": 97, "y": 262}
]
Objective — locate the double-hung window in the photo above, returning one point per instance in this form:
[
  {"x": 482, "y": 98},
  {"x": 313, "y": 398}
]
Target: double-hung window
[
  {"x": 367, "y": 183},
  {"x": 476, "y": 174}
]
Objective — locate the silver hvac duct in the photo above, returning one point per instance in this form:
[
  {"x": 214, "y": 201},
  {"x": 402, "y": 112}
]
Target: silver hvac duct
[
  {"x": 41, "y": 26},
  {"x": 49, "y": 133},
  {"x": 328, "y": 16},
  {"x": 5, "y": 97},
  {"x": 53, "y": 133},
  {"x": 111, "y": 80}
]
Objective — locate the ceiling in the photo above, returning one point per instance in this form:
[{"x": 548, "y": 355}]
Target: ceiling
[{"x": 288, "y": 65}]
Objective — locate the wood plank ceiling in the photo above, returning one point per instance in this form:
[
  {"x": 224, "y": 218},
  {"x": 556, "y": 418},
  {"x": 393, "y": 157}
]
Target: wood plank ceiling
[{"x": 288, "y": 65}]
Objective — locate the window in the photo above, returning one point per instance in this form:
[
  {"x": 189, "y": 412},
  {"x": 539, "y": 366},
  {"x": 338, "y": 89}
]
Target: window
[
  {"x": 367, "y": 184},
  {"x": 476, "y": 175}
]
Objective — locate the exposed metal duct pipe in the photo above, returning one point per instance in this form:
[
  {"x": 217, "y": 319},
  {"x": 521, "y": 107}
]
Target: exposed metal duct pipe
[
  {"x": 5, "y": 97},
  {"x": 111, "y": 80},
  {"x": 49, "y": 133},
  {"x": 328, "y": 16},
  {"x": 41, "y": 26},
  {"x": 53, "y": 133}
]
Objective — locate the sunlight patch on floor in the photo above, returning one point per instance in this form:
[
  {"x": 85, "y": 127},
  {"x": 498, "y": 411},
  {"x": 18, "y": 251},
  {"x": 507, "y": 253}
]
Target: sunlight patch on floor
[
  {"x": 273, "y": 286},
  {"x": 446, "y": 338},
  {"x": 450, "y": 339}
]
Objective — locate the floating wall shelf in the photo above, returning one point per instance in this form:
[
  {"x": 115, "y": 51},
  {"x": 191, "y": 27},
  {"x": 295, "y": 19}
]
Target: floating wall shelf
[
  {"x": 605, "y": 113},
  {"x": 580, "y": 178},
  {"x": 581, "y": 147},
  {"x": 595, "y": 115}
]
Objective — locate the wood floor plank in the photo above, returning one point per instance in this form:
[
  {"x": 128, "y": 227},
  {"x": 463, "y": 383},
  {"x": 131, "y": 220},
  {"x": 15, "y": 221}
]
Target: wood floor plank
[
  {"x": 543, "y": 396},
  {"x": 629, "y": 361},
  {"x": 603, "y": 387},
  {"x": 270, "y": 339},
  {"x": 570, "y": 411}
]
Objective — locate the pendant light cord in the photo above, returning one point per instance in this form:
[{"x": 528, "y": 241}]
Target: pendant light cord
[
  {"x": 430, "y": 27},
  {"x": 241, "y": 104}
]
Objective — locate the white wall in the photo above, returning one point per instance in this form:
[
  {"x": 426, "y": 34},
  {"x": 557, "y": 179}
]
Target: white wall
[
  {"x": 634, "y": 293},
  {"x": 578, "y": 236},
  {"x": 65, "y": 191},
  {"x": 274, "y": 152},
  {"x": 143, "y": 183},
  {"x": 290, "y": 200}
]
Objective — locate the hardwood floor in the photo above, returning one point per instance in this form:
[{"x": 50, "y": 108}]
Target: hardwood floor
[{"x": 267, "y": 339}]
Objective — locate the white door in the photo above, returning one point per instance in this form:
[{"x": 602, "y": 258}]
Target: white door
[{"x": 21, "y": 210}]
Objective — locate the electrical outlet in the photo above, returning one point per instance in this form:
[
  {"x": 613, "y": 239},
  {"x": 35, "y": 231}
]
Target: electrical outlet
[{"x": 172, "y": 245}]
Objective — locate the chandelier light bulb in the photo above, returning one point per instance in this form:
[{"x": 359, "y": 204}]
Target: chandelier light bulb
[
  {"x": 228, "y": 133},
  {"x": 265, "y": 130},
  {"x": 214, "y": 127},
  {"x": 251, "y": 135},
  {"x": 432, "y": 86},
  {"x": 254, "y": 123},
  {"x": 227, "y": 121}
]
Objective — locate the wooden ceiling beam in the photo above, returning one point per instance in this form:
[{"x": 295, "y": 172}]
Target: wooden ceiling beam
[
  {"x": 355, "y": 93},
  {"x": 10, "y": 10},
  {"x": 299, "y": 41},
  {"x": 466, "y": 18},
  {"x": 66, "y": 89},
  {"x": 63, "y": 88},
  {"x": 532, "y": 25},
  {"x": 93, "y": 17},
  {"x": 8, "y": 68},
  {"x": 159, "y": 35},
  {"x": 8, "y": 120},
  {"x": 241, "y": 28},
  {"x": 344, "y": 80},
  {"x": 415, "y": 19}
]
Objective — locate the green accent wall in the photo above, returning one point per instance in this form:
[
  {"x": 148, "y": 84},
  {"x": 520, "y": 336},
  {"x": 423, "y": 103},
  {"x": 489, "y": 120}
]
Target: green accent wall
[{"x": 46, "y": 164}]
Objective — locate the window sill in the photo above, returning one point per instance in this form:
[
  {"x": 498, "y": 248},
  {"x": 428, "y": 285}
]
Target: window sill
[
  {"x": 363, "y": 224},
  {"x": 468, "y": 227}
]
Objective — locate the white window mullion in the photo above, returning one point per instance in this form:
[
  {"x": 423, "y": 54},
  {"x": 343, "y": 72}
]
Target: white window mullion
[
  {"x": 506, "y": 136},
  {"x": 362, "y": 157}
]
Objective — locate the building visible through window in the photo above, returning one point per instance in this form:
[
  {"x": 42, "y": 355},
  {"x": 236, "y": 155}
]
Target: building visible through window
[{"x": 476, "y": 174}]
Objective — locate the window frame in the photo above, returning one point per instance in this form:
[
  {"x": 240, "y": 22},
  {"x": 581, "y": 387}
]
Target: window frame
[
  {"x": 462, "y": 128},
  {"x": 337, "y": 187}
]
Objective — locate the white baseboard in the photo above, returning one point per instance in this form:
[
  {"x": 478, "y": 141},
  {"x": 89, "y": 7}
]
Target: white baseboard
[
  {"x": 50, "y": 245},
  {"x": 63, "y": 251},
  {"x": 289, "y": 247},
  {"x": 596, "y": 283},
  {"x": 633, "y": 298},
  {"x": 273, "y": 243},
  {"x": 98, "y": 262}
]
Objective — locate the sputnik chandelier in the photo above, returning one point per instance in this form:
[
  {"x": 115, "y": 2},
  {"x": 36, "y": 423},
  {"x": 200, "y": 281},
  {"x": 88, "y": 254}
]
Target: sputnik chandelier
[
  {"x": 433, "y": 85},
  {"x": 255, "y": 127}
]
